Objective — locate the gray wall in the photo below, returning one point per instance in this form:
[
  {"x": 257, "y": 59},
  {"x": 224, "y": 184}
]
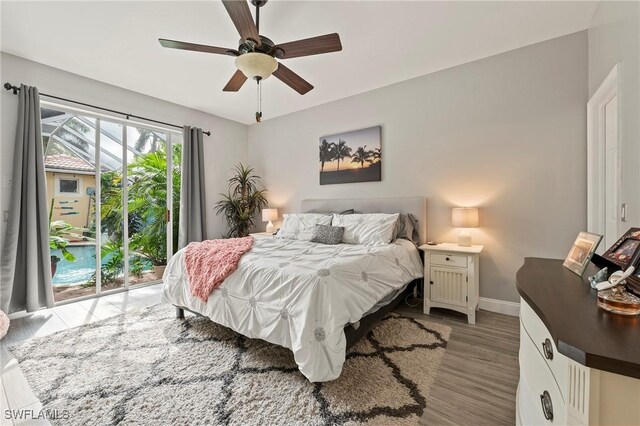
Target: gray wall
[
  {"x": 614, "y": 37},
  {"x": 226, "y": 146},
  {"x": 506, "y": 133}
]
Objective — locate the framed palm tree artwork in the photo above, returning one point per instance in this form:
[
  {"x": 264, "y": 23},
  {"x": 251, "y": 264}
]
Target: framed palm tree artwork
[{"x": 351, "y": 157}]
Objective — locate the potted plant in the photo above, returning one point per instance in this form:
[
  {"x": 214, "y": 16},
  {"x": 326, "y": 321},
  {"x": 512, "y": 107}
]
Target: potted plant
[
  {"x": 240, "y": 205},
  {"x": 153, "y": 248}
]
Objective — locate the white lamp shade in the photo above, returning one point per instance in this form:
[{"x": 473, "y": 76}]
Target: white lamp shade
[
  {"x": 269, "y": 214},
  {"x": 464, "y": 217},
  {"x": 255, "y": 64}
]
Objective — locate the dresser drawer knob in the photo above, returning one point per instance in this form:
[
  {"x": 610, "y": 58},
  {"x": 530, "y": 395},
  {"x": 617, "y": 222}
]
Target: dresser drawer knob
[
  {"x": 446, "y": 258},
  {"x": 547, "y": 349},
  {"x": 547, "y": 406}
]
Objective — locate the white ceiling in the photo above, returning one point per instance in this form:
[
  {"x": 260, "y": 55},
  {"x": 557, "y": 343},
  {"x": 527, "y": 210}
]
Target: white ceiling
[{"x": 384, "y": 42}]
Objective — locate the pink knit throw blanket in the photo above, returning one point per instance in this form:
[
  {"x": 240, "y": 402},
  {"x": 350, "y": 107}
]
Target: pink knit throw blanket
[{"x": 210, "y": 262}]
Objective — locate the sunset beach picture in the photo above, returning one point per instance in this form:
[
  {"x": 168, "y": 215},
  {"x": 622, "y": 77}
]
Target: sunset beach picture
[{"x": 351, "y": 157}]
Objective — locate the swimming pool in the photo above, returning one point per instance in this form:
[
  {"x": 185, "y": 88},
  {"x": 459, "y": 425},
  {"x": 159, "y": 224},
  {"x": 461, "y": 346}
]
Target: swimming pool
[{"x": 80, "y": 271}]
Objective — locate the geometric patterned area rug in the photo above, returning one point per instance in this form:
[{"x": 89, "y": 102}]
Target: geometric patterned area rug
[{"x": 146, "y": 367}]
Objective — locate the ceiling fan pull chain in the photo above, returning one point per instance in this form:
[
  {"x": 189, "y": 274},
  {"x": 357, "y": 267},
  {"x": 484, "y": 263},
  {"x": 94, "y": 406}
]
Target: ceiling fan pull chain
[{"x": 259, "y": 106}]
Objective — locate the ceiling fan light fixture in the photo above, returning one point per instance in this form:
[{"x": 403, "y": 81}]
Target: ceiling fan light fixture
[{"x": 254, "y": 64}]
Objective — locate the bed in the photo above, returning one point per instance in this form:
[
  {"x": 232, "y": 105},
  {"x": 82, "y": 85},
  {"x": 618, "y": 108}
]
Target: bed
[{"x": 315, "y": 299}]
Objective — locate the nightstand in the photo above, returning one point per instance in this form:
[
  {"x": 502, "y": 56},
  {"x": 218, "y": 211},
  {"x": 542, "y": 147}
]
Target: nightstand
[{"x": 451, "y": 277}]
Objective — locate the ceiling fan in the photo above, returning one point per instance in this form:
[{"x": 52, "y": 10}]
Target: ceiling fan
[{"x": 256, "y": 54}]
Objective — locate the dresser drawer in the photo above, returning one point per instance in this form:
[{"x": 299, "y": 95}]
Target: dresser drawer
[
  {"x": 536, "y": 331},
  {"x": 527, "y": 411},
  {"x": 449, "y": 260},
  {"x": 536, "y": 381}
]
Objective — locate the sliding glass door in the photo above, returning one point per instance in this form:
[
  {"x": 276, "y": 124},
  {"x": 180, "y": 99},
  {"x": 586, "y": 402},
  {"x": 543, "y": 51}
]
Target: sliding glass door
[
  {"x": 113, "y": 191},
  {"x": 148, "y": 188}
]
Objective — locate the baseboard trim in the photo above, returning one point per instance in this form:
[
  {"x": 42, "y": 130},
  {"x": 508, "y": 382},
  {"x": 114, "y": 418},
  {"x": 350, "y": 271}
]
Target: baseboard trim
[{"x": 499, "y": 306}]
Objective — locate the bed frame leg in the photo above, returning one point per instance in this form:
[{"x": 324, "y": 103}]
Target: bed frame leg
[{"x": 179, "y": 313}]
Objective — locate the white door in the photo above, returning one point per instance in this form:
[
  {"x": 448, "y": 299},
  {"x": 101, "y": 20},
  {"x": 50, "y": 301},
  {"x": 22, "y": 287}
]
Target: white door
[
  {"x": 612, "y": 172},
  {"x": 604, "y": 202}
]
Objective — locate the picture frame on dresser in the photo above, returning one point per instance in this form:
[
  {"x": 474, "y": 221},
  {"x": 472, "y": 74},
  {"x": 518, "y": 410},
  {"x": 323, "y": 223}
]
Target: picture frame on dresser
[
  {"x": 626, "y": 251},
  {"x": 581, "y": 252}
]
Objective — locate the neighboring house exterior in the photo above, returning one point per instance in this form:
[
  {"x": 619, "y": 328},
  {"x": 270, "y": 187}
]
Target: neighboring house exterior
[{"x": 71, "y": 187}]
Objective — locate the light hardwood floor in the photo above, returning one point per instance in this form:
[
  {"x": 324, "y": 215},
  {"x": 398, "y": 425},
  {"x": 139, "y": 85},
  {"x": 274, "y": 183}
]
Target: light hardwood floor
[
  {"x": 478, "y": 377},
  {"x": 476, "y": 383}
]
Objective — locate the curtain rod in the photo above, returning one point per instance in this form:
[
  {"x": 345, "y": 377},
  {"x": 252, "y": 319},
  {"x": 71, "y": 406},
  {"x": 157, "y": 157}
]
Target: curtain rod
[{"x": 16, "y": 89}]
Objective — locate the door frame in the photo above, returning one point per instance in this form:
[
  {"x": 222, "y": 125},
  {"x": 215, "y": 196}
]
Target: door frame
[
  {"x": 170, "y": 142},
  {"x": 596, "y": 177}
]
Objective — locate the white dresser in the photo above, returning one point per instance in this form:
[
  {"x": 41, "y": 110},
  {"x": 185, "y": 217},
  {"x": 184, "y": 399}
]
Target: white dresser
[
  {"x": 555, "y": 389},
  {"x": 452, "y": 278}
]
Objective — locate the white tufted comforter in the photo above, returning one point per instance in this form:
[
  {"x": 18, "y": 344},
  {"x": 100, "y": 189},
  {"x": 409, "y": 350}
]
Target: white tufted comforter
[{"x": 300, "y": 295}]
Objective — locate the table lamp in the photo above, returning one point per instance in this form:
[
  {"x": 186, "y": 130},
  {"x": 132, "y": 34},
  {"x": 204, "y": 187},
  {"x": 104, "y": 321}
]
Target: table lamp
[
  {"x": 464, "y": 217},
  {"x": 269, "y": 215}
]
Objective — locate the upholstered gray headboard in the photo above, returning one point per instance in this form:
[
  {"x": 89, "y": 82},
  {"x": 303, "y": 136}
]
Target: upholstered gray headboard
[{"x": 417, "y": 206}]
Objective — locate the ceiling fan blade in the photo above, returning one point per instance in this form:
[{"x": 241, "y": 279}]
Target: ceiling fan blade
[
  {"x": 310, "y": 46},
  {"x": 240, "y": 14},
  {"x": 292, "y": 79},
  {"x": 174, "y": 44},
  {"x": 236, "y": 82}
]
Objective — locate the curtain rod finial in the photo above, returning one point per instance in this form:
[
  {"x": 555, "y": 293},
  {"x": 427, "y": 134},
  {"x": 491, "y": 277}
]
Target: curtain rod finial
[{"x": 9, "y": 86}]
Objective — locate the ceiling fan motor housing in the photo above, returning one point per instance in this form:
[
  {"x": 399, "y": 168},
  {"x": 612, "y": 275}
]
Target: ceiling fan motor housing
[{"x": 267, "y": 46}]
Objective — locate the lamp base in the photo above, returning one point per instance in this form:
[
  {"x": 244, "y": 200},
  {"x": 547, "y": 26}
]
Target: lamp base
[
  {"x": 270, "y": 228},
  {"x": 464, "y": 239}
]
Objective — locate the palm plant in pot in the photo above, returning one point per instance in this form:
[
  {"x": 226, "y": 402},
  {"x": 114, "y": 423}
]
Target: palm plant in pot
[{"x": 244, "y": 199}]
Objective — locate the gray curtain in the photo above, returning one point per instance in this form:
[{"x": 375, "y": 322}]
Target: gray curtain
[
  {"x": 26, "y": 265},
  {"x": 192, "y": 192}
]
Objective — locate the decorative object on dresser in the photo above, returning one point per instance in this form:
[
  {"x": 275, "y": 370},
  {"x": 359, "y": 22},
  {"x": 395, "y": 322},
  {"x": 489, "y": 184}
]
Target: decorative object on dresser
[
  {"x": 578, "y": 365},
  {"x": 598, "y": 277},
  {"x": 269, "y": 215},
  {"x": 464, "y": 217},
  {"x": 452, "y": 278},
  {"x": 626, "y": 251},
  {"x": 618, "y": 301},
  {"x": 351, "y": 157},
  {"x": 581, "y": 252},
  {"x": 633, "y": 282},
  {"x": 240, "y": 205}
]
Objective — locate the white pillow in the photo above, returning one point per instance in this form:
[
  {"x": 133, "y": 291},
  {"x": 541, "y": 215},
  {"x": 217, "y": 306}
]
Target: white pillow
[
  {"x": 300, "y": 226},
  {"x": 367, "y": 229}
]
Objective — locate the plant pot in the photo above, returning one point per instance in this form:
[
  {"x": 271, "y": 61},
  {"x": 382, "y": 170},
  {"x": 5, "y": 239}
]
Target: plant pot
[
  {"x": 54, "y": 265},
  {"x": 159, "y": 270}
]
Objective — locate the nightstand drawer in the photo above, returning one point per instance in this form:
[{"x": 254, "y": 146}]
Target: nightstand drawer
[{"x": 449, "y": 260}]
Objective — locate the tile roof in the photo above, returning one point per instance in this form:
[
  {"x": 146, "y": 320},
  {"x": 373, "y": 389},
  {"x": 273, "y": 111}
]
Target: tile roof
[{"x": 67, "y": 162}]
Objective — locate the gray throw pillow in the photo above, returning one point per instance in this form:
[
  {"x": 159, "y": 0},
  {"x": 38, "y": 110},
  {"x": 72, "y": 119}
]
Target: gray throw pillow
[
  {"x": 406, "y": 228},
  {"x": 326, "y": 234}
]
